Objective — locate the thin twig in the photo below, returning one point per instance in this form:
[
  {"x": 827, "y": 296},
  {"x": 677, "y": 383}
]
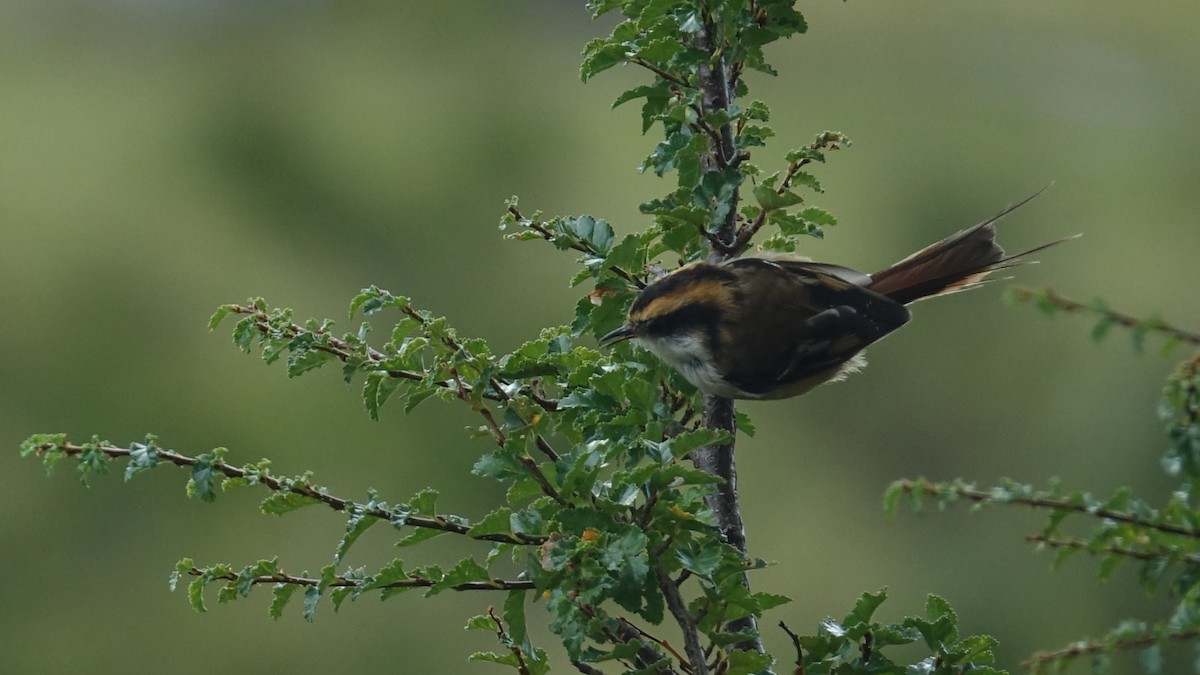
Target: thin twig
[
  {"x": 1073, "y": 306},
  {"x": 687, "y": 623},
  {"x": 343, "y": 582},
  {"x": 667, "y": 76},
  {"x": 981, "y": 496},
  {"x": 621, "y": 631},
  {"x": 799, "y": 650},
  {"x": 586, "y": 669},
  {"x": 580, "y": 246},
  {"x": 1081, "y": 545},
  {"x": 505, "y": 639},
  {"x": 344, "y": 351},
  {"x": 1097, "y": 646},
  {"x": 305, "y": 489}
]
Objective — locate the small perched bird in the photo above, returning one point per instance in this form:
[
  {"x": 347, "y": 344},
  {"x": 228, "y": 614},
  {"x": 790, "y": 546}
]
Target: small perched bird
[{"x": 770, "y": 328}]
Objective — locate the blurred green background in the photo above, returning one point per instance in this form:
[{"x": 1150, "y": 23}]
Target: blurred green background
[{"x": 158, "y": 159}]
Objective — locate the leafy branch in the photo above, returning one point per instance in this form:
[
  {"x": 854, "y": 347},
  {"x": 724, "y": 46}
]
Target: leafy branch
[
  {"x": 290, "y": 492},
  {"x": 1052, "y": 302},
  {"x": 1167, "y": 521}
]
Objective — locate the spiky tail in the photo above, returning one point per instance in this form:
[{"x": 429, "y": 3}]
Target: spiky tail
[{"x": 957, "y": 263}]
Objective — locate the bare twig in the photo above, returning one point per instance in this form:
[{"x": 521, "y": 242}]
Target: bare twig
[{"x": 799, "y": 650}]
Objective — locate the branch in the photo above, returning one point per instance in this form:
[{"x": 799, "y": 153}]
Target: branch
[
  {"x": 828, "y": 140},
  {"x": 1081, "y": 545},
  {"x": 718, "y": 84},
  {"x": 344, "y": 352},
  {"x": 581, "y": 246},
  {"x": 343, "y": 582},
  {"x": 1099, "y": 646},
  {"x": 505, "y": 639},
  {"x": 927, "y": 489},
  {"x": 799, "y": 649},
  {"x": 621, "y": 631},
  {"x": 586, "y": 669},
  {"x": 291, "y": 486},
  {"x": 669, "y": 77},
  {"x": 1054, "y": 299},
  {"x": 687, "y": 623}
]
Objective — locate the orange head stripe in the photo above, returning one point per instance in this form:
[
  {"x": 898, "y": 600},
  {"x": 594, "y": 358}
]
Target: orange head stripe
[{"x": 700, "y": 291}]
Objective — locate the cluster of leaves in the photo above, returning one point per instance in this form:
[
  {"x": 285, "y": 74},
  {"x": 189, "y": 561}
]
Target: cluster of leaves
[
  {"x": 707, "y": 142},
  {"x": 1164, "y": 541},
  {"x": 1051, "y": 302},
  {"x": 854, "y": 644}
]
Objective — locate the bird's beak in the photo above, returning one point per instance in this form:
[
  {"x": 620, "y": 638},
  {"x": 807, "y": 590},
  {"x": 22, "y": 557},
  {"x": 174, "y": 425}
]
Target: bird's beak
[{"x": 619, "y": 335}]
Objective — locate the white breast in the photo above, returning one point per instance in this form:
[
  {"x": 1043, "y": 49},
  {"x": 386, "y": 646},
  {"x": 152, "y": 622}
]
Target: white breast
[{"x": 688, "y": 354}]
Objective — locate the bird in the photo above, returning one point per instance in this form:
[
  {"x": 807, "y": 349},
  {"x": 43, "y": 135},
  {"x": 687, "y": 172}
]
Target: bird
[{"x": 770, "y": 327}]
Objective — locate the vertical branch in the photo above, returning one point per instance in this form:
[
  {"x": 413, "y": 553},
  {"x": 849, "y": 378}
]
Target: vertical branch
[{"x": 719, "y": 86}]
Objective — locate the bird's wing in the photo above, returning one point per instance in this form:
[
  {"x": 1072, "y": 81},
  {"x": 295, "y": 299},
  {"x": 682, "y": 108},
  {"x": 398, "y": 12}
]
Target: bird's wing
[{"x": 813, "y": 318}]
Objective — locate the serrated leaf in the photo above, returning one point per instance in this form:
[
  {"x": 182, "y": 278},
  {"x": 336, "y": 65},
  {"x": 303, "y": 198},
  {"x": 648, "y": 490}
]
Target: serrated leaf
[
  {"x": 466, "y": 571},
  {"x": 514, "y": 618},
  {"x": 600, "y": 55},
  {"x": 280, "y": 595},
  {"x": 303, "y": 361},
  {"x": 745, "y": 662},
  {"x": 864, "y": 608},
  {"x": 201, "y": 482},
  {"x": 770, "y": 199},
  {"x": 480, "y": 622},
  {"x": 279, "y": 503},
  {"x": 312, "y": 595},
  {"x": 195, "y": 594},
  {"x": 356, "y": 525},
  {"x": 496, "y": 522},
  {"x": 219, "y": 315}
]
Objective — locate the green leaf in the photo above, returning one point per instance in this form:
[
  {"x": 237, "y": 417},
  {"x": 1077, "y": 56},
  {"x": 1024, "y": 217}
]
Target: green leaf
[
  {"x": 219, "y": 316},
  {"x": 195, "y": 593},
  {"x": 142, "y": 457},
  {"x": 356, "y": 525},
  {"x": 496, "y": 522},
  {"x": 201, "y": 483},
  {"x": 514, "y": 617},
  {"x": 770, "y": 199},
  {"x": 373, "y": 299},
  {"x": 480, "y": 622},
  {"x": 466, "y": 571},
  {"x": 279, "y": 503},
  {"x": 745, "y": 662},
  {"x": 600, "y": 55},
  {"x": 312, "y": 595},
  {"x": 865, "y": 608},
  {"x": 303, "y": 361},
  {"x": 703, "y": 562}
]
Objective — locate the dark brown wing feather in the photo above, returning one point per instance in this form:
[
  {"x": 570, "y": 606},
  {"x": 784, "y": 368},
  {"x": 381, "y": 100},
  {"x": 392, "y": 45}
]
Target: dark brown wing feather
[{"x": 811, "y": 320}]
